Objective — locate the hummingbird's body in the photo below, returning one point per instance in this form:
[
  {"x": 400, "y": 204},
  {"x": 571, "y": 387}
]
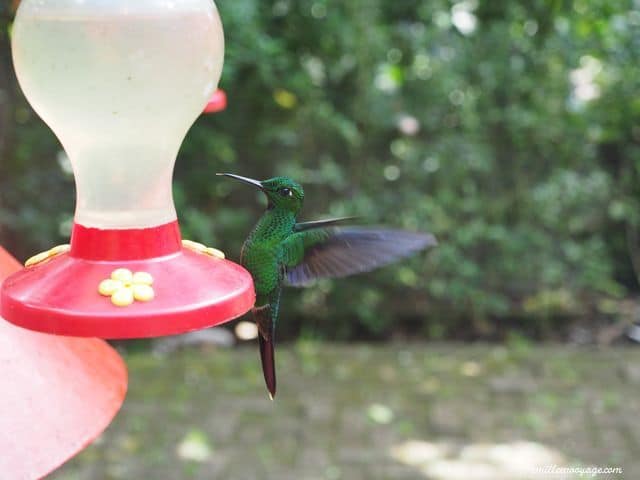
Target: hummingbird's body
[
  {"x": 263, "y": 255},
  {"x": 280, "y": 251}
]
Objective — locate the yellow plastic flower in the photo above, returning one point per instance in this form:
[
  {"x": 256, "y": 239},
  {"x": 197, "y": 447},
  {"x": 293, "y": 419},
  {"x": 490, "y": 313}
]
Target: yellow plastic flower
[
  {"x": 48, "y": 255},
  {"x": 200, "y": 248},
  {"x": 125, "y": 287}
]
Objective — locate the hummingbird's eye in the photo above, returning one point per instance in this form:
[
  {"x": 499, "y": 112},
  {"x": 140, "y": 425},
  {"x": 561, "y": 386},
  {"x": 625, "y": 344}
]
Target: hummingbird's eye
[{"x": 286, "y": 192}]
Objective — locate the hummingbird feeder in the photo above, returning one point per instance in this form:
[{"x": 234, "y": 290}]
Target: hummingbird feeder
[
  {"x": 120, "y": 83},
  {"x": 58, "y": 394}
]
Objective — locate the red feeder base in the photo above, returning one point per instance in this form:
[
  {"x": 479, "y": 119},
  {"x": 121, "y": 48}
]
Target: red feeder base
[
  {"x": 191, "y": 290},
  {"x": 58, "y": 394}
]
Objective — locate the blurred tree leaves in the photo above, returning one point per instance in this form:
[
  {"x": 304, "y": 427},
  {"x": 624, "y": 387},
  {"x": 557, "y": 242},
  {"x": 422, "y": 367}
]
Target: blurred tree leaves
[{"x": 509, "y": 129}]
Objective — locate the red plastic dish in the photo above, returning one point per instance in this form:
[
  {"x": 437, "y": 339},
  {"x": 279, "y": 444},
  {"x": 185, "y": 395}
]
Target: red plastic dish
[
  {"x": 58, "y": 395},
  {"x": 192, "y": 290}
]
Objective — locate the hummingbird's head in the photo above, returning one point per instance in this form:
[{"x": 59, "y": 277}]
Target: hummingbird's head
[{"x": 281, "y": 192}]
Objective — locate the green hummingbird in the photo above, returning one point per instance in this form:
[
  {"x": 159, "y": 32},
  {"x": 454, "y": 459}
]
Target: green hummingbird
[{"x": 282, "y": 251}]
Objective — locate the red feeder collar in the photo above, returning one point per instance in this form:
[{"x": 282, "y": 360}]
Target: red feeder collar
[
  {"x": 126, "y": 244},
  {"x": 58, "y": 395}
]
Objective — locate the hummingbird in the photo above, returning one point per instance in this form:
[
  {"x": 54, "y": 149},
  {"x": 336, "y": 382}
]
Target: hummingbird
[{"x": 282, "y": 251}]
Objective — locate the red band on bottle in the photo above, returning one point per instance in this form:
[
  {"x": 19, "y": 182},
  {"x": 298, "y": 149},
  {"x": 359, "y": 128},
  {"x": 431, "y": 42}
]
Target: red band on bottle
[{"x": 125, "y": 244}]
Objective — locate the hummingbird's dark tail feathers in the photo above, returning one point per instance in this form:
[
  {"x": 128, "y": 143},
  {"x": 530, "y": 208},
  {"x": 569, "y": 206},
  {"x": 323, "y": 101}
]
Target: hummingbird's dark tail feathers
[
  {"x": 268, "y": 364},
  {"x": 264, "y": 321}
]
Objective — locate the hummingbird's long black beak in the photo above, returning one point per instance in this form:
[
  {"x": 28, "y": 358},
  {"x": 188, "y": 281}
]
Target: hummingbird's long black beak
[{"x": 250, "y": 181}]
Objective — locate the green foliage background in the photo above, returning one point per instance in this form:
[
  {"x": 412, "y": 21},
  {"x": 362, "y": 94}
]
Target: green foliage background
[{"x": 532, "y": 191}]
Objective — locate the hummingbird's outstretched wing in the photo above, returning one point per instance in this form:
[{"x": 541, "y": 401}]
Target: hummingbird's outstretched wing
[{"x": 341, "y": 251}]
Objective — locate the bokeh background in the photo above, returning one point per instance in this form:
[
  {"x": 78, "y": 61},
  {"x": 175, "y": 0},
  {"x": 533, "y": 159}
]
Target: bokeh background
[{"x": 510, "y": 130}]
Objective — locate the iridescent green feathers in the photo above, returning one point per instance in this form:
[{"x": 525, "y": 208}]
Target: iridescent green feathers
[{"x": 281, "y": 251}]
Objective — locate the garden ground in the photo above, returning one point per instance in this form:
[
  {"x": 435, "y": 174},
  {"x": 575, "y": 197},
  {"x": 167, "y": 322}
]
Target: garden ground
[{"x": 420, "y": 411}]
